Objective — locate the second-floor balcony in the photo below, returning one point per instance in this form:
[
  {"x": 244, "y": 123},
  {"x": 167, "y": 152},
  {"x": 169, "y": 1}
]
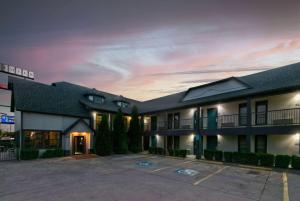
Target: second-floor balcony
[{"x": 284, "y": 117}]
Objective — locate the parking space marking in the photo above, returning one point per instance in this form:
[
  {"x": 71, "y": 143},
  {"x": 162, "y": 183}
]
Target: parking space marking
[
  {"x": 285, "y": 187},
  {"x": 210, "y": 175},
  {"x": 163, "y": 168}
]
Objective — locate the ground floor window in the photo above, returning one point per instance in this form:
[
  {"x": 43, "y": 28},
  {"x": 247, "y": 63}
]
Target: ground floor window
[
  {"x": 153, "y": 141},
  {"x": 176, "y": 142},
  {"x": 170, "y": 142},
  {"x": 260, "y": 144},
  {"x": 242, "y": 143},
  {"x": 41, "y": 139},
  {"x": 212, "y": 142}
]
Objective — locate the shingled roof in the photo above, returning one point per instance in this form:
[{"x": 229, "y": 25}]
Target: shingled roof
[
  {"x": 64, "y": 98},
  {"x": 61, "y": 98}
]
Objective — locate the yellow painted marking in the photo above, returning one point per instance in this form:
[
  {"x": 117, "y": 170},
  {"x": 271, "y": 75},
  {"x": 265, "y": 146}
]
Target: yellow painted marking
[
  {"x": 210, "y": 175},
  {"x": 285, "y": 187},
  {"x": 163, "y": 168}
]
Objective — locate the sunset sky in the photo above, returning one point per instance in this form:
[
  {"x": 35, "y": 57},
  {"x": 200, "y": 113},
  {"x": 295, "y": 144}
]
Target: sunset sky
[{"x": 148, "y": 48}]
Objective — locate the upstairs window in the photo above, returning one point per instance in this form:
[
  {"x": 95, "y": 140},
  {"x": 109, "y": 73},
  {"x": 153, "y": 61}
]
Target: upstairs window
[
  {"x": 96, "y": 99},
  {"x": 122, "y": 104}
]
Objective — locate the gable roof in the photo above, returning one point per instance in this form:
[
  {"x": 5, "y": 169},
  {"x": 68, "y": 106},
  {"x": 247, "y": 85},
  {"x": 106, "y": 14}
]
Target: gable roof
[{"x": 77, "y": 123}]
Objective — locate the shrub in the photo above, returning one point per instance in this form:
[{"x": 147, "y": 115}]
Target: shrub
[
  {"x": 250, "y": 158},
  {"x": 152, "y": 150},
  {"x": 51, "y": 153},
  {"x": 228, "y": 157},
  {"x": 103, "y": 141},
  {"x": 218, "y": 155},
  {"x": 180, "y": 153},
  {"x": 296, "y": 162},
  {"x": 171, "y": 152},
  {"x": 120, "y": 141},
  {"x": 237, "y": 157},
  {"x": 282, "y": 161},
  {"x": 209, "y": 154},
  {"x": 160, "y": 151},
  {"x": 29, "y": 154},
  {"x": 134, "y": 132},
  {"x": 266, "y": 160}
]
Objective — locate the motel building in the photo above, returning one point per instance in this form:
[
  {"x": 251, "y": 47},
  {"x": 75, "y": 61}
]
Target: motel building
[{"x": 257, "y": 113}]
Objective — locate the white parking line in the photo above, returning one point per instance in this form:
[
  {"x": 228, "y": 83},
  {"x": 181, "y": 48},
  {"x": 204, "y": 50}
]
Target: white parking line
[
  {"x": 163, "y": 168},
  {"x": 285, "y": 187},
  {"x": 210, "y": 175}
]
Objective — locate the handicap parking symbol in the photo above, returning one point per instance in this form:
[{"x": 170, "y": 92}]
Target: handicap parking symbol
[
  {"x": 144, "y": 163},
  {"x": 188, "y": 172}
]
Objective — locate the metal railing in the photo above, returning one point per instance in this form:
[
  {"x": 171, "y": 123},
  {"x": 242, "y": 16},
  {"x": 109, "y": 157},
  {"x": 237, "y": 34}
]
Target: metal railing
[
  {"x": 182, "y": 124},
  {"x": 282, "y": 117}
]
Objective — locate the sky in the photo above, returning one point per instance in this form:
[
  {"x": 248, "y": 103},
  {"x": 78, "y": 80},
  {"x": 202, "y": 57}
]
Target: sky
[{"x": 146, "y": 49}]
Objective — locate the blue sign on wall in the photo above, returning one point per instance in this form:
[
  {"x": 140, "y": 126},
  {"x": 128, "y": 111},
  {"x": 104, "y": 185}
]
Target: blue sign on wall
[{"x": 5, "y": 119}]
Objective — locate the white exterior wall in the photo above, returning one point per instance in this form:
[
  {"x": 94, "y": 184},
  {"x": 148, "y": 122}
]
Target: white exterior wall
[
  {"x": 227, "y": 143},
  {"x": 283, "y": 144},
  {"x": 37, "y": 121},
  {"x": 187, "y": 142},
  {"x": 160, "y": 141}
]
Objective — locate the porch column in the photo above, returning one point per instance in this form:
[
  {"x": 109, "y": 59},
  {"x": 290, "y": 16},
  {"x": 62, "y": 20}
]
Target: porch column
[
  {"x": 249, "y": 124},
  {"x": 198, "y": 138}
]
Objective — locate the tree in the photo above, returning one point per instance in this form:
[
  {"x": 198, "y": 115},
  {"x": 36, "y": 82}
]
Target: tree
[
  {"x": 119, "y": 134},
  {"x": 134, "y": 132},
  {"x": 103, "y": 142}
]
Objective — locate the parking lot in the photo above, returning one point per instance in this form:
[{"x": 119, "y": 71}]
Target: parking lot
[{"x": 141, "y": 177}]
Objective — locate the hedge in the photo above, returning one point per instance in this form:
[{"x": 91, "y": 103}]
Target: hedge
[
  {"x": 209, "y": 154},
  {"x": 228, "y": 157},
  {"x": 51, "y": 153},
  {"x": 296, "y": 162},
  {"x": 157, "y": 150},
  {"x": 171, "y": 152},
  {"x": 152, "y": 150},
  {"x": 266, "y": 160},
  {"x": 180, "y": 152},
  {"x": 29, "y": 154},
  {"x": 218, "y": 155},
  {"x": 282, "y": 161}
]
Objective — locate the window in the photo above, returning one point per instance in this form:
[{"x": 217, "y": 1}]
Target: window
[
  {"x": 153, "y": 123},
  {"x": 243, "y": 114},
  {"x": 170, "y": 121},
  {"x": 176, "y": 120},
  {"x": 41, "y": 139},
  {"x": 91, "y": 98},
  {"x": 98, "y": 100},
  {"x": 261, "y": 113},
  {"x": 260, "y": 144},
  {"x": 242, "y": 143},
  {"x": 176, "y": 142},
  {"x": 98, "y": 120},
  {"x": 122, "y": 104}
]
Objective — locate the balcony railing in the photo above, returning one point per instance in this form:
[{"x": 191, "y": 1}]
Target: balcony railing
[
  {"x": 270, "y": 118},
  {"x": 183, "y": 124}
]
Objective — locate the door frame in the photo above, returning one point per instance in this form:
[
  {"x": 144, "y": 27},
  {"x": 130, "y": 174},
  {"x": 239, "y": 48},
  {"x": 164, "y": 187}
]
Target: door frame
[{"x": 84, "y": 146}]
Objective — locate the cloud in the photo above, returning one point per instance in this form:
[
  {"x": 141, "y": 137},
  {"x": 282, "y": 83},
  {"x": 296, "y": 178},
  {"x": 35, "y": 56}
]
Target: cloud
[
  {"x": 198, "y": 81},
  {"x": 210, "y": 71}
]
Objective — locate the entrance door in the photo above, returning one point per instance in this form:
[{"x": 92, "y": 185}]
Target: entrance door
[
  {"x": 212, "y": 118},
  {"x": 146, "y": 143},
  {"x": 212, "y": 142},
  {"x": 79, "y": 145}
]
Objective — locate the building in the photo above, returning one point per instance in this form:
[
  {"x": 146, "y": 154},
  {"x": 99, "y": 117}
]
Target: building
[{"x": 257, "y": 113}]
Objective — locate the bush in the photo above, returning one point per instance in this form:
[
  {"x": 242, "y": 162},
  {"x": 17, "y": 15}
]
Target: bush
[
  {"x": 180, "y": 153},
  {"x": 218, "y": 155},
  {"x": 228, "y": 157},
  {"x": 103, "y": 140},
  {"x": 209, "y": 154},
  {"x": 160, "y": 151},
  {"x": 266, "y": 160},
  {"x": 250, "y": 158},
  {"x": 296, "y": 162},
  {"x": 134, "y": 132},
  {"x": 120, "y": 140},
  {"x": 282, "y": 161},
  {"x": 152, "y": 150},
  {"x": 29, "y": 154},
  {"x": 245, "y": 158},
  {"x": 51, "y": 153},
  {"x": 171, "y": 152}
]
